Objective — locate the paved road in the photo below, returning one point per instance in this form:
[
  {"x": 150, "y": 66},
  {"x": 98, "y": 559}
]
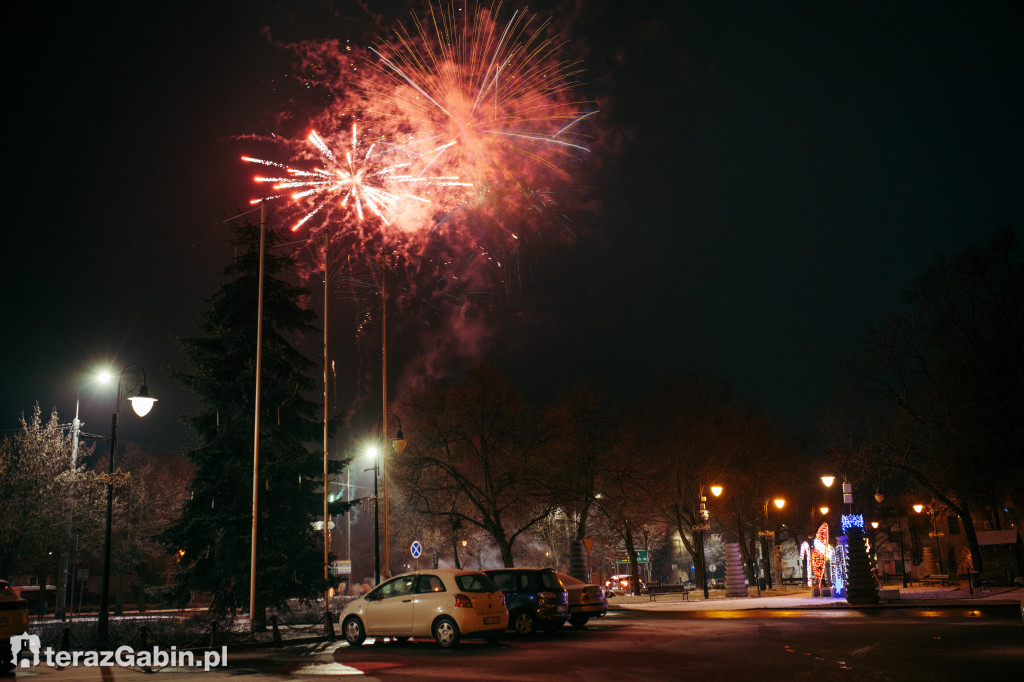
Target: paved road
[{"x": 939, "y": 644}]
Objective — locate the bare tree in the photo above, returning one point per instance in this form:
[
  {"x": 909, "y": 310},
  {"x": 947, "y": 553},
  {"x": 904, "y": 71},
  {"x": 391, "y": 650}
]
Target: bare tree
[
  {"x": 477, "y": 457},
  {"x": 583, "y": 429},
  {"x": 939, "y": 388}
]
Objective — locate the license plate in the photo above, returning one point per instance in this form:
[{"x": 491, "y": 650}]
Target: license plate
[
  {"x": 491, "y": 620},
  {"x": 562, "y": 608}
]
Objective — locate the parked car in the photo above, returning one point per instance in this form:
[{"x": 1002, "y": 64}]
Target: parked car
[
  {"x": 620, "y": 584},
  {"x": 586, "y": 601},
  {"x": 13, "y": 621},
  {"x": 534, "y": 597},
  {"x": 446, "y": 604}
]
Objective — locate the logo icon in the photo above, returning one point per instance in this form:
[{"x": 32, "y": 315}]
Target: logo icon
[{"x": 18, "y": 643}]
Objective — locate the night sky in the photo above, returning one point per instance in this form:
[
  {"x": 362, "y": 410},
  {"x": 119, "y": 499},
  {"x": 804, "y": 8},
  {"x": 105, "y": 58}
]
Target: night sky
[{"x": 773, "y": 175}]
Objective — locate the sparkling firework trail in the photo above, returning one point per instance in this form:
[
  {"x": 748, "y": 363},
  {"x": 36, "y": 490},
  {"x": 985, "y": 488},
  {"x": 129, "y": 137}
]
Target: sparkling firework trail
[
  {"x": 495, "y": 97},
  {"x": 356, "y": 180}
]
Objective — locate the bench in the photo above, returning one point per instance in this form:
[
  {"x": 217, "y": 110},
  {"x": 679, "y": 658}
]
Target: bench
[
  {"x": 932, "y": 580},
  {"x": 654, "y": 590}
]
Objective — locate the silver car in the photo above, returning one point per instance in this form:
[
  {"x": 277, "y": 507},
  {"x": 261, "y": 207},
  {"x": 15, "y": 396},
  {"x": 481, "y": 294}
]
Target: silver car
[{"x": 446, "y": 604}]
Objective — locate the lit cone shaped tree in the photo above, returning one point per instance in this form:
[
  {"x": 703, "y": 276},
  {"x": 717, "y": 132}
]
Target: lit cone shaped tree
[
  {"x": 861, "y": 585},
  {"x": 735, "y": 578}
]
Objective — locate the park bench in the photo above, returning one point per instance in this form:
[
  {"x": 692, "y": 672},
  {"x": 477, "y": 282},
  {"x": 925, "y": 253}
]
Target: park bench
[
  {"x": 932, "y": 580},
  {"x": 654, "y": 590}
]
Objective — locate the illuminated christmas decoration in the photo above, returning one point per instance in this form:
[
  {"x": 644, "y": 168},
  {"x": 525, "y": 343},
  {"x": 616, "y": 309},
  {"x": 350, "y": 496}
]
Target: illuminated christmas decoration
[
  {"x": 850, "y": 520},
  {"x": 839, "y": 569},
  {"x": 818, "y": 555}
]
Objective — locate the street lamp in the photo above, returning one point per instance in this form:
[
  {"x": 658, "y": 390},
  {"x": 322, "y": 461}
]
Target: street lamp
[
  {"x": 918, "y": 508},
  {"x": 398, "y": 445},
  {"x": 142, "y": 403},
  {"x": 65, "y": 557},
  {"x": 371, "y": 451},
  {"x": 705, "y": 517},
  {"x": 767, "y": 536}
]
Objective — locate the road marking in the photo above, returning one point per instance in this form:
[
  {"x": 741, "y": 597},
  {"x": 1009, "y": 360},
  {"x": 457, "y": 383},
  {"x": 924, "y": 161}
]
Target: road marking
[{"x": 328, "y": 669}]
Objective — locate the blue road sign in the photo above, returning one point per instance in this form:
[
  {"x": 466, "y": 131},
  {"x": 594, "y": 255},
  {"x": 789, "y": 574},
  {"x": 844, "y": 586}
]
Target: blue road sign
[{"x": 416, "y": 549}]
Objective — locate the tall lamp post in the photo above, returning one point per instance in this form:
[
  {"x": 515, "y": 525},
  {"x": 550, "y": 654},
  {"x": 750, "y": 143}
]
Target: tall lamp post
[
  {"x": 918, "y": 508},
  {"x": 705, "y": 525},
  {"x": 768, "y": 535},
  {"x": 371, "y": 451},
  {"x": 65, "y": 557},
  {"x": 142, "y": 403},
  {"x": 397, "y": 445},
  {"x": 379, "y": 452}
]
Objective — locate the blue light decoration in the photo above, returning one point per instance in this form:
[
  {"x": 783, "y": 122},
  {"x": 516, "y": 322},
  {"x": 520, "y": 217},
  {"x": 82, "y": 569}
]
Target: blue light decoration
[
  {"x": 838, "y": 567},
  {"x": 851, "y": 520}
]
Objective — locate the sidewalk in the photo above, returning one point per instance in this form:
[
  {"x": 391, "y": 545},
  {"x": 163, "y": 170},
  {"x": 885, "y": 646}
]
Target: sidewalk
[{"x": 794, "y": 598}]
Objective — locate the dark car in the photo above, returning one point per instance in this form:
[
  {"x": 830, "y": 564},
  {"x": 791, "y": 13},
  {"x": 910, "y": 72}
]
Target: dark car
[{"x": 534, "y": 596}]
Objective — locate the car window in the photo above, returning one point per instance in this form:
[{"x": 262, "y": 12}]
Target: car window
[
  {"x": 504, "y": 581},
  {"x": 475, "y": 582},
  {"x": 397, "y": 587},
  {"x": 523, "y": 581},
  {"x": 549, "y": 581},
  {"x": 429, "y": 583}
]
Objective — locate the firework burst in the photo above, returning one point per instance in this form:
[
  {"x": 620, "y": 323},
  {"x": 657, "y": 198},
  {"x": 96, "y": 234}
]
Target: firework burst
[
  {"x": 493, "y": 99},
  {"x": 361, "y": 182}
]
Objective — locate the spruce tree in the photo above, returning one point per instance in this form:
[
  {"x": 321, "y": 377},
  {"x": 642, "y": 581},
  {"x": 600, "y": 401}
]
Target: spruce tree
[{"x": 213, "y": 534}]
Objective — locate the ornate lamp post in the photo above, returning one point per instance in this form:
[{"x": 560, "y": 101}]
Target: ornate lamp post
[
  {"x": 142, "y": 403},
  {"x": 768, "y": 536},
  {"x": 705, "y": 525}
]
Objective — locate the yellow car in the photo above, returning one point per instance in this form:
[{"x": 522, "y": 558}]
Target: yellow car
[
  {"x": 13, "y": 621},
  {"x": 586, "y": 601},
  {"x": 446, "y": 604}
]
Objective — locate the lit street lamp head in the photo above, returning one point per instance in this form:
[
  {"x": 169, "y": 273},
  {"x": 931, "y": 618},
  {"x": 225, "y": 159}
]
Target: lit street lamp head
[
  {"x": 828, "y": 480},
  {"x": 143, "y": 402}
]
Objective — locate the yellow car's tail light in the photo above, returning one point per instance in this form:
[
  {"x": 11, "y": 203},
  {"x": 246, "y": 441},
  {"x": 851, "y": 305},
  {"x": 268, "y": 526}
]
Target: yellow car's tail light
[{"x": 463, "y": 602}]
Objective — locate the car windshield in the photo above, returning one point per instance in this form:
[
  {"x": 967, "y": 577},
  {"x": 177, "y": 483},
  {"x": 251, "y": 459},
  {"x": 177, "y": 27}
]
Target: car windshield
[
  {"x": 550, "y": 581},
  {"x": 475, "y": 582},
  {"x": 568, "y": 580}
]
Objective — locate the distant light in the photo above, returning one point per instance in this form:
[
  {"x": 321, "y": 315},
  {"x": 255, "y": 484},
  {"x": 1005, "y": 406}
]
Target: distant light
[
  {"x": 716, "y": 490},
  {"x": 828, "y": 480},
  {"x": 371, "y": 451},
  {"x": 105, "y": 377},
  {"x": 823, "y": 510},
  {"x": 874, "y": 524},
  {"x": 918, "y": 508},
  {"x": 779, "y": 502}
]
